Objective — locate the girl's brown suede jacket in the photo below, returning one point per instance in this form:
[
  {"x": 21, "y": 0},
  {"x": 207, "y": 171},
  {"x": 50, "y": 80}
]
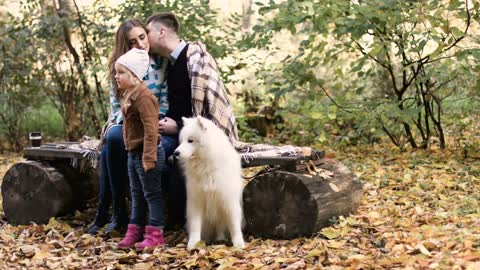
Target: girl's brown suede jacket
[{"x": 140, "y": 122}]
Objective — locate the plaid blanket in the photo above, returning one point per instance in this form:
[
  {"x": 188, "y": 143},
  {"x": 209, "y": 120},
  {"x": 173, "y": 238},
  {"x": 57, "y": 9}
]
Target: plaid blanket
[
  {"x": 249, "y": 152},
  {"x": 209, "y": 98},
  {"x": 89, "y": 148}
]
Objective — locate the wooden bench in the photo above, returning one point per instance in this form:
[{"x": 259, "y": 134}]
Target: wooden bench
[{"x": 293, "y": 197}]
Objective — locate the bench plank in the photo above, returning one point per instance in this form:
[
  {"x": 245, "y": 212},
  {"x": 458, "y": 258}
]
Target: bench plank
[{"x": 51, "y": 151}]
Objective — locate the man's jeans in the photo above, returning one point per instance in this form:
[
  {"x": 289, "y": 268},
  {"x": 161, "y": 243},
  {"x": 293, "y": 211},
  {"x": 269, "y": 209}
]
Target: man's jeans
[
  {"x": 146, "y": 189},
  {"x": 174, "y": 184},
  {"x": 169, "y": 143}
]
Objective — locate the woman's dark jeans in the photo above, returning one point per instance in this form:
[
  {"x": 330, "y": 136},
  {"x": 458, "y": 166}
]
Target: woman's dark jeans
[
  {"x": 146, "y": 189},
  {"x": 113, "y": 180}
]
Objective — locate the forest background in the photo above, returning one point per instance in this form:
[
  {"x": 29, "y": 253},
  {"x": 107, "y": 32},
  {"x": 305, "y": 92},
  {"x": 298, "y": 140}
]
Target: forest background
[
  {"x": 304, "y": 72},
  {"x": 389, "y": 87}
]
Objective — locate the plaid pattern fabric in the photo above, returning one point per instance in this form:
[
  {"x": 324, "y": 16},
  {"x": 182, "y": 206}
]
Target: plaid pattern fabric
[
  {"x": 209, "y": 98},
  {"x": 249, "y": 152}
]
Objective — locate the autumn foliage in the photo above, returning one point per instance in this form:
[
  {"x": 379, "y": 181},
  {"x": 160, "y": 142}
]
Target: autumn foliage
[{"x": 420, "y": 210}]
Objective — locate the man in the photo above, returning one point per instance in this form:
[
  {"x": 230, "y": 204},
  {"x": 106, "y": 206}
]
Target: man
[
  {"x": 194, "y": 83},
  {"x": 194, "y": 88}
]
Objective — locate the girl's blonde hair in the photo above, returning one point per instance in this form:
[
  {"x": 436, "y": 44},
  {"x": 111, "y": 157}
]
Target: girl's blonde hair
[
  {"x": 131, "y": 77},
  {"x": 125, "y": 94},
  {"x": 121, "y": 47}
]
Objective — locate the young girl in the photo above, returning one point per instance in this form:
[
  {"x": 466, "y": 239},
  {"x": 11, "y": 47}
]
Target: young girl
[{"x": 146, "y": 156}]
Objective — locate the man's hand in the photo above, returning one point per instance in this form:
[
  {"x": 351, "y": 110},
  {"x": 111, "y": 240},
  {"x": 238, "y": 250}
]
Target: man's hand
[
  {"x": 167, "y": 126},
  {"x": 148, "y": 165}
]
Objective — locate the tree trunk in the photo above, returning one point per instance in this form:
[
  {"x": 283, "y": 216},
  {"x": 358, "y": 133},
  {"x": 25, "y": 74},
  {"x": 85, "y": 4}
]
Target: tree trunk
[
  {"x": 287, "y": 205},
  {"x": 246, "y": 14},
  {"x": 34, "y": 192},
  {"x": 65, "y": 8}
]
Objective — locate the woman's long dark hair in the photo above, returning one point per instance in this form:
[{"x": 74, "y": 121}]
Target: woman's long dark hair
[{"x": 121, "y": 47}]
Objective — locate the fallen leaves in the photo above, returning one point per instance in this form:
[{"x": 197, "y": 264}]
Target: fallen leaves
[
  {"x": 421, "y": 210},
  {"x": 330, "y": 233}
]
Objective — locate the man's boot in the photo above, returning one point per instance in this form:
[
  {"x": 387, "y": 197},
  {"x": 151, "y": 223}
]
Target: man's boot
[
  {"x": 101, "y": 218},
  {"x": 119, "y": 218}
]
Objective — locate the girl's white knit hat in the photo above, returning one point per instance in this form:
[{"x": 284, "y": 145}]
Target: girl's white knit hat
[{"x": 136, "y": 61}]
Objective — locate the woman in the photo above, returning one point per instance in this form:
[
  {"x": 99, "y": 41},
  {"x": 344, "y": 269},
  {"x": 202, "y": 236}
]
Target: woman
[{"x": 113, "y": 158}]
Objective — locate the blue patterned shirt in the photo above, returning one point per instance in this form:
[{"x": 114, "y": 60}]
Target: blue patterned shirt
[{"x": 155, "y": 81}]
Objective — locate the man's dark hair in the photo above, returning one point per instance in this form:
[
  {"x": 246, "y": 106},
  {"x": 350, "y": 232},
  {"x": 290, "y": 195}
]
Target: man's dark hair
[{"x": 168, "y": 19}]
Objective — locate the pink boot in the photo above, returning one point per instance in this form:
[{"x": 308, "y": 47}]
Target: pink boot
[
  {"x": 133, "y": 235},
  {"x": 153, "y": 238}
]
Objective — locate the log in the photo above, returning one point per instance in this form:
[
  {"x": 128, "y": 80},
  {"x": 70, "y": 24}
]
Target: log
[
  {"x": 34, "y": 191},
  {"x": 286, "y": 205}
]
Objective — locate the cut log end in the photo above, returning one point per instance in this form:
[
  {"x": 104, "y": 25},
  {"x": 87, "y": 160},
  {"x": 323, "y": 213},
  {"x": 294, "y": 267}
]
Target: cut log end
[
  {"x": 34, "y": 192},
  {"x": 273, "y": 200},
  {"x": 284, "y": 205}
]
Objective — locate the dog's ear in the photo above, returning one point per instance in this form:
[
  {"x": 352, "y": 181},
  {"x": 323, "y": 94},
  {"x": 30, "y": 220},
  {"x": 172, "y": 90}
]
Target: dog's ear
[
  {"x": 185, "y": 120},
  {"x": 201, "y": 122}
]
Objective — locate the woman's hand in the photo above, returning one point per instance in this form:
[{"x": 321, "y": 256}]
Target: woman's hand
[
  {"x": 167, "y": 126},
  {"x": 148, "y": 165}
]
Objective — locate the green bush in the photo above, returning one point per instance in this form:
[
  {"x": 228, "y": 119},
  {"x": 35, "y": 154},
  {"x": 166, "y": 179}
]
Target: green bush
[{"x": 45, "y": 119}]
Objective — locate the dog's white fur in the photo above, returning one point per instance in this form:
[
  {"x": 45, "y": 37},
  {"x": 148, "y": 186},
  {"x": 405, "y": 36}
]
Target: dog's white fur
[{"x": 213, "y": 180}]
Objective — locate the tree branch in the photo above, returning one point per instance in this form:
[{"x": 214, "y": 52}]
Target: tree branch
[
  {"x": 331, "y": 99},
  {"x": 88, "y": 58}
]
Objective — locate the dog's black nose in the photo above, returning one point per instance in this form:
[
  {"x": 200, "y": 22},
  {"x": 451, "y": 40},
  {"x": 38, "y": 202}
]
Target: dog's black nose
[{"x": 176, "y": 153}]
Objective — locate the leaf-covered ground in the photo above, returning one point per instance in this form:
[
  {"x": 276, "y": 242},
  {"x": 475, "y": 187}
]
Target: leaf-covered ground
[{"x": 420, "y": 210}]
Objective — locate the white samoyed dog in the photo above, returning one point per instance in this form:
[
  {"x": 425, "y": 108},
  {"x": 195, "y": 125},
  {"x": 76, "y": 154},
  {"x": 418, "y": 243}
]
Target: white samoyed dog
[{"x": 213, "y": 181}]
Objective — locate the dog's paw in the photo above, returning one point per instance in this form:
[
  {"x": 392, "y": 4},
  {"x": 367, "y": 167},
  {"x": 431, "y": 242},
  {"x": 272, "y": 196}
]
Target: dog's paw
[
  {"x": 238, "y": 243},
  {"x": 192, "y": 243}
]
